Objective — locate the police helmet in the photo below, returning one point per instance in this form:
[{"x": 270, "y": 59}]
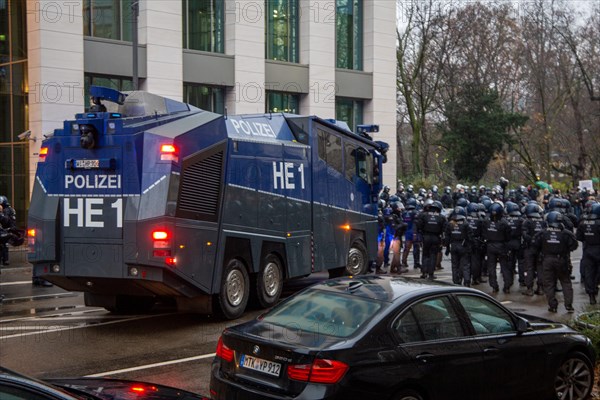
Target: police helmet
[
  {"x": 459, "y": 213},
  {"x": 410, "y": 188},
  {"x": 496, "y": 210},
  {"x": 594, "y": 211},
  {"x": 422, "y": 192},
  {"x": 400, "y": 188},
  {"x": 487, "y": 203},
  {"x": 411, "y": 204},
  {"x": 512, "y": 209},
  {"x": 533, "y": 210},
  {"x": 434, "y": 189},
  {"x": 4, "y": 201},
  {"x": 397, "y": 205},
  {"x": 484, "y": 197},
  {"x": 394, "y": 198},
  {"x": 428, "y": 204},
  {"x": 565, "y": 204},
  {"x": 472, "y": 209},
  {"x": 447, "y": 189},
  {"x": 554, "y": 219},
  {"x": 386, "y": 188},
  {"x": 462, "y": 202},
  {"x": 473, "y": 189},
  {"x": 554, "y": 204},
  {"x": 438, "y": 204}
]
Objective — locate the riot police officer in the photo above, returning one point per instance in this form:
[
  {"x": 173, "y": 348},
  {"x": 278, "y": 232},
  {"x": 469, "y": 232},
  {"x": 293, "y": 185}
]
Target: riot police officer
[
  {"x": 446, "y": 199},
  {"x": 431, "y": 224},
  {"x": 387, "y": 236},
  {"x": 532, "y": 224},
  {"x": 496, "y": 233},
  {"x": 555, "y": 244},
  {"x": 515, "y": 221},
  {"x": 385, "y": 193},
  {"x": 588, "y": 232},
  {"x": 8, "y": 221},
  {"x": 458, "y": 240},
  {"x": 399, "y": 228},
  {"x": 477, "y": 253},
  {"x": 412, "y": 239}
]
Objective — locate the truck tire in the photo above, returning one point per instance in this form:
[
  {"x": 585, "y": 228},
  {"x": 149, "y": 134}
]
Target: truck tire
[
  {"x": 235, "y": 289},
  {"x": 357, "y": 263},
  {"x": 269, "y": 281}
]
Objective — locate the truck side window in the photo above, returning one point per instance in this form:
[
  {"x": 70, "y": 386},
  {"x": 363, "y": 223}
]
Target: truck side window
[
  {"x": 330, "y": 150},
  {"x": 364, "y": 165},
  {"x": 350, "y": 161}
]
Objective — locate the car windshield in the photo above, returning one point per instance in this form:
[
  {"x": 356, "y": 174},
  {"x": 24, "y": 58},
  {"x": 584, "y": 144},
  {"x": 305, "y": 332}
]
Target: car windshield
[{"x": 317, "y": 311}]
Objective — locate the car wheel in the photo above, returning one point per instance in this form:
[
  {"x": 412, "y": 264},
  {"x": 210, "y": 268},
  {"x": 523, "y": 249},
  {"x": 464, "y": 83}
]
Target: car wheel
[
  {"x": 235, "y": 289},
  {"x": 408, "y": 395},
  {"x": 269, "y": 281},
  {"x": 357, "y": 259},
  {"x": 574, "y": 378}
]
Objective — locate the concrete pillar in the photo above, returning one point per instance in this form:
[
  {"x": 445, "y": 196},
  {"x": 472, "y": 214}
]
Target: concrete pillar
[
  {"x": 317, "y": 48},
  {"x": 160, "y": 28},
  {"x": 245, "y": 38},
  {"x": 379, "y": 58},
  {"x": 55, "y": 68}
]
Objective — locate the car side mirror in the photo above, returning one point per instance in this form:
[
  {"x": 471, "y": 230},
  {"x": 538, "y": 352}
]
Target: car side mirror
[{"x": 522, "y": 326}]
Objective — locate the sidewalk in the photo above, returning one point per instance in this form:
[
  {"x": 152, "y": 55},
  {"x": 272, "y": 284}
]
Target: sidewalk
[{"x": 17, "y": 258}]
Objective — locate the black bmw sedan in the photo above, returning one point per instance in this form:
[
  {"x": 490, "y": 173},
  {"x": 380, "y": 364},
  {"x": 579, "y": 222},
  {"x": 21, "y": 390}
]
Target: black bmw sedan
[{"x": 376, "y": 337}]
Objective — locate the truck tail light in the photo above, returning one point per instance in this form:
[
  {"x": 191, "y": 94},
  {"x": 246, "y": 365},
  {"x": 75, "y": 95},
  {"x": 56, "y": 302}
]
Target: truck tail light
[
  {"x": 223, "y": 351},
  {"x": 31, "y": 240},
  {"x": 320, "y": 371},
  {"x": 161, "y": 243},
  {"x": 43, "y": 153},
  {"x": 168, "y": 152}
]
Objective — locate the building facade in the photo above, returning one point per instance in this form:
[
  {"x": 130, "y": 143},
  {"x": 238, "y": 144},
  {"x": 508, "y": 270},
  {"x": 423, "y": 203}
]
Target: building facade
[{"x": 331, "y": 58}]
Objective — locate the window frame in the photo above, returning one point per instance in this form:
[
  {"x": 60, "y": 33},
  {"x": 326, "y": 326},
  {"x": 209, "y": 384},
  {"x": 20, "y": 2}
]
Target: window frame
[
  {"x": 217, "y": 44},
  {"x": 292, "y": 22}
]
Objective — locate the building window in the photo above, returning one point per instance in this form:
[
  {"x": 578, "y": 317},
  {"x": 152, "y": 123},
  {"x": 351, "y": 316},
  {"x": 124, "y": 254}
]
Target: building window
[
  {"x": 119, "y": 83},
  {"x": 282, "y": 30},
  {"x": 203, "y": 25},
  {"x": 349, "y": 34},
  {"x": 349, "y": 111},
  {"x": 14, "y": 93},
  {"x": 109, "y": 19},
  {"x": 209, "y": 98},
  {"x": 282, "y": 102}
]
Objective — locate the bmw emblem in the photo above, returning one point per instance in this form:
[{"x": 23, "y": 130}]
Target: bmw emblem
[{"x": 255, "y": 350}]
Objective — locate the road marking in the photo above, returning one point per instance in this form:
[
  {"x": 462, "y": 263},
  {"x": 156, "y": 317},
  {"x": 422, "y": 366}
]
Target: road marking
[
  {"x": 44, "y": 331},
  {"x": 42, "y": 317},
  {"x": 27, "y": 328},
  {"x": 15, "y": 283},
  {"x": 160, "y": 364}
]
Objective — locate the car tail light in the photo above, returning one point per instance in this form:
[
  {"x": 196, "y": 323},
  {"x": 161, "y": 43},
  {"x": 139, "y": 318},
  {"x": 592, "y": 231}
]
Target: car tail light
[
  {"x": 320, "y": 371},
  {"x": 161, "y": 243},
  {"x": 168, "y": 152},
  {"x": 43, "y": 153},
  {"x": 223, "y": 351}
]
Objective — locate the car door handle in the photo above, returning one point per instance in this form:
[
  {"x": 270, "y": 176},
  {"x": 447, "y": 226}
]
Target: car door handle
[
  {"x": 491, "y": 350},
  {"x": 424, "y": 357}
]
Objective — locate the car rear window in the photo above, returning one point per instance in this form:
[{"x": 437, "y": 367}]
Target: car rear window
[{"x": 323, "y": 312}]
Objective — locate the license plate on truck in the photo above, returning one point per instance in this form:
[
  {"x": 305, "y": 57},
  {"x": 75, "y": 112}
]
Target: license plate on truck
[
  {"x": 260, "y": 365},
  {"x": 87, "y": 164}
]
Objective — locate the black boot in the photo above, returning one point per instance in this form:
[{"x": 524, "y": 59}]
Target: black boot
[{"x": 592, "y": 299}]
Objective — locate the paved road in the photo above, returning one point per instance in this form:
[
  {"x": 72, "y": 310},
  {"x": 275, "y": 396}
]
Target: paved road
[{"x": 48, "y": 332}]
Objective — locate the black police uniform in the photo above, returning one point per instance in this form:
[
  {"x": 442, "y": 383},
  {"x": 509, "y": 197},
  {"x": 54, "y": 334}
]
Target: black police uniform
[
  {"x": 533, "y": 264},
  {"x": 459, "y": 238},
  {"x": 477, "y": 253},
  {"x": 8, "y": 221},
  {"x": 497, "y": 234},
  {"x": 515, "y": 246},
  {"x": 555, "y": 245},
  {"x": 588, "y": 232},
  {"x": 431, "y": 226}
]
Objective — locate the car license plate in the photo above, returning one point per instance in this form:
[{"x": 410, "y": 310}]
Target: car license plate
[
  {"x": 87, "y": 164},
  {"x": 260, "y": 365}
]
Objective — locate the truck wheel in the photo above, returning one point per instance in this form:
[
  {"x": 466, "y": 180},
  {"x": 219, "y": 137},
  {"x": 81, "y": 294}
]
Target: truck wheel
[
  {"x": 408, "y": 395},
  {"x": 269, "y": 281},
  {"x": 357, "y": 259},
  {"x": 235, "y": 289}
]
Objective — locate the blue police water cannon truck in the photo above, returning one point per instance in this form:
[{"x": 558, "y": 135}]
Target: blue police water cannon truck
[{"x": 145, "y": 198}]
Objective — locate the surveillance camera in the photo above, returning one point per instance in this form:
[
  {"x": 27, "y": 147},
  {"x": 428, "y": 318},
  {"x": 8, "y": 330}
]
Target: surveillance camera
[{"x": 24, "y": 136}]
